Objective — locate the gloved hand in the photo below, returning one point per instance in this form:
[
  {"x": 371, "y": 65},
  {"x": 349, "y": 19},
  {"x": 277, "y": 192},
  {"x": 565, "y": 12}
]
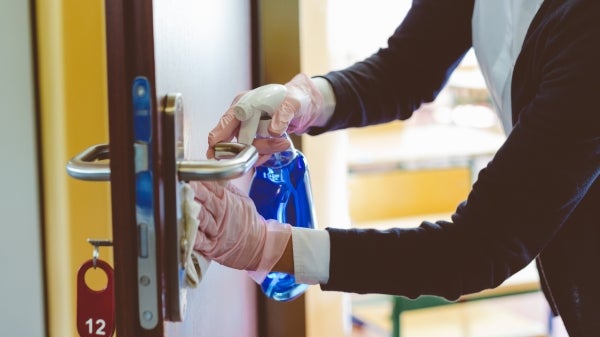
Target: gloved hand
[
  {"x": 231, "y": 232},
  {"x": 195, "y": 265},
  {"x": 301, "y": 109}
]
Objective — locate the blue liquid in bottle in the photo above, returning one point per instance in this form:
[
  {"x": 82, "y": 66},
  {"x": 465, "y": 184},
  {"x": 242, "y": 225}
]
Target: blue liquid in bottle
[{"x": 281, "y": 190}]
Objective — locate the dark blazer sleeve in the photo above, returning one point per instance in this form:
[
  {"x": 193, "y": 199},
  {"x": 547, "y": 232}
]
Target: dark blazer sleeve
[
  {"x": 525, "y": 194},
  {"x": 396, "y": 80}
]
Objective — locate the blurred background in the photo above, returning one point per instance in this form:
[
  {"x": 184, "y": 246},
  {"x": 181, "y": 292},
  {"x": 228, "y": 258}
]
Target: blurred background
[{"x": 54, "y": 89}]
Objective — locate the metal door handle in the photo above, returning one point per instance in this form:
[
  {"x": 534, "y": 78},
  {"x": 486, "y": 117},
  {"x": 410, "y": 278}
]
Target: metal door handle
[
  {"x": 242, "y": 158},
  {"x": 91, "y": 164},
  {"x": 235, "y": 159}
]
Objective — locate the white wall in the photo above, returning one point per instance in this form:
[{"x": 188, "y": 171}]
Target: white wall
[{"x": 21, "y": 280}]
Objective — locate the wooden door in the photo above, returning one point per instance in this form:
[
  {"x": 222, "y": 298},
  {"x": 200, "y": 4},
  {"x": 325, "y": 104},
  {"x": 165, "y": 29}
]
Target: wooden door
[{"x": 200, "y": 49}]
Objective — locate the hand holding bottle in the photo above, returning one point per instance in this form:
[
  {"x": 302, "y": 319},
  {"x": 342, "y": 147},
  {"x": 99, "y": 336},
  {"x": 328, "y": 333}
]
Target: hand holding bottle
[
  {"x": 231, "y": 232},
  {"x": 301, "y": 109}
]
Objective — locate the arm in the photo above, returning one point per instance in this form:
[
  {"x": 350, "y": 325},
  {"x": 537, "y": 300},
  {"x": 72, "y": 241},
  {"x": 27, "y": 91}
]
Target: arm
[
  {"x": 408, "y": 72},
  {"x": 395, "y": 81},
  {"x": 522, "y": 198}
]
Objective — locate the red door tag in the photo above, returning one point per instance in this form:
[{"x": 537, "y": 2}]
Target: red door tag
[{"x": 95, "y": 308}]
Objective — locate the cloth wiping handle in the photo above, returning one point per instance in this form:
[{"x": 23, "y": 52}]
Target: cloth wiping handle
[{"x": 194, "y": 263}]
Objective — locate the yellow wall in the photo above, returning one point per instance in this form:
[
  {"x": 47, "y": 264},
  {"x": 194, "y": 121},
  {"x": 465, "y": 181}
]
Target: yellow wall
[
  {"x": 396, "y": 194},
  {"x": 400, "y": 193},
  {"x": 73, "y": 103}
]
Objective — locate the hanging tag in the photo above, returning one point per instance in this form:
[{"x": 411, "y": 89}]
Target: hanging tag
[{"x": 95, "y": 308}]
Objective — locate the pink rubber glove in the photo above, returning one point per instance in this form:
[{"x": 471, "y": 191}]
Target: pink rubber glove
[
  {"x": 300, "y": 109},
  {"x": 232, "y": 232}
]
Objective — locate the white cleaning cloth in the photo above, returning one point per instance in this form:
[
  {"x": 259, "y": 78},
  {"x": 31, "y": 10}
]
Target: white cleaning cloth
[{"x": 195, "y": 264}]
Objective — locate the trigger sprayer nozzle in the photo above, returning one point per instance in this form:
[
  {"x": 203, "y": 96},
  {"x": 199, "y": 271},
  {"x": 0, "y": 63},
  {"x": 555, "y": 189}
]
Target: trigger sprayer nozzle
[{"x": 258, "y": 102}]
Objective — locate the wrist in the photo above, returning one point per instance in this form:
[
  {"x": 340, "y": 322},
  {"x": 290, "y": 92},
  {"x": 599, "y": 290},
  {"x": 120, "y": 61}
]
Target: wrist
[
  {"x": 328, "y": 105},
  {"x": 275, "y": 245},
  {"x": 286, "y": 262}
]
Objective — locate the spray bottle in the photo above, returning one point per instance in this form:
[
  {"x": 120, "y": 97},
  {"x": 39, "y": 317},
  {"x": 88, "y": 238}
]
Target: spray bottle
[{"x": 280, "y": 187}]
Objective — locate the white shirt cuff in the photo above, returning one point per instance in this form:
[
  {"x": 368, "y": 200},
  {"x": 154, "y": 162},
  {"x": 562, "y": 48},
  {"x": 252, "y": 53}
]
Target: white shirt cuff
[{"x": 311, "y": 255}]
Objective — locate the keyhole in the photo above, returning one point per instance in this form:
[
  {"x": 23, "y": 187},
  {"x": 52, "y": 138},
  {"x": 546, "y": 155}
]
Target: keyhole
[{"x": 96, "y": 279}]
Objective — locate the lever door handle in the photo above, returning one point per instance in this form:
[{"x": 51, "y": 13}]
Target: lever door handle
[
  {"x": 234, "y": 159},
  {"x": 91, "y": 164},
  {"x": 241, "y": 159}
]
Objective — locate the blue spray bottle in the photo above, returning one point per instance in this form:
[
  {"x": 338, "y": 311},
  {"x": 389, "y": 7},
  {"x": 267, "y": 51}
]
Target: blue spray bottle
[{"x": 280, "y": 187}]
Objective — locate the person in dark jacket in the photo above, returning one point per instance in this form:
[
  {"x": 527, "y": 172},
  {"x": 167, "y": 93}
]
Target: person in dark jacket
[{"x": 538, "y": 198}]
